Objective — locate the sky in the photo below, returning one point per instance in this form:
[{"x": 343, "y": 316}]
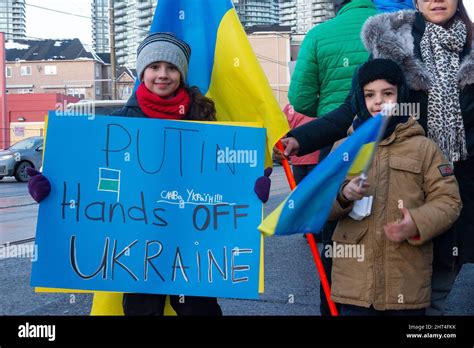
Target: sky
[
  {"x": 51, "y": 25},
  {"x": 46, "y": 24}
]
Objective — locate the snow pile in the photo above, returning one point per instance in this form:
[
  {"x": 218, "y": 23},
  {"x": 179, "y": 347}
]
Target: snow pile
[{"x": 12, "y": 45}]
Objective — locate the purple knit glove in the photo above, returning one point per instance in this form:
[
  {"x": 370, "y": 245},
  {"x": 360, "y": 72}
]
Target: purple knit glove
[
  {"x": 262, "y": 185},
  {"x": 38, "y": 185}
]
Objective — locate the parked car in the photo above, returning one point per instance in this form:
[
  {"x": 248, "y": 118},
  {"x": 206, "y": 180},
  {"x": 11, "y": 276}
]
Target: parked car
[{"x": 15, "y": 159}]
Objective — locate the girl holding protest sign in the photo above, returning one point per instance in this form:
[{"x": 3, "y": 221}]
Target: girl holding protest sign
[{"x": 162, "y": 68}]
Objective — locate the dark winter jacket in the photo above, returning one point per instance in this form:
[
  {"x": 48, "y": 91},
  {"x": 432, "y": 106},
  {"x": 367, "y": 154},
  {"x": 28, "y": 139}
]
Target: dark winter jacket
[{"x": 397, "y": 36}]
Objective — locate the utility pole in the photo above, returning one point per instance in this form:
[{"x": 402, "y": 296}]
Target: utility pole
[{"x": 112, "y": 48}]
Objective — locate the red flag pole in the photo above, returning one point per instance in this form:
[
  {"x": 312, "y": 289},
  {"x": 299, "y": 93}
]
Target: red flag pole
[{"x": 310, "y": 238}]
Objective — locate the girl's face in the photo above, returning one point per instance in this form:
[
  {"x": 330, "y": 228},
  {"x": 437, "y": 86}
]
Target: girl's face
[
  {"x": 377, "y": 93},
  {"x": 438, "y": 11},
  {"x": 162, "y": 78}
]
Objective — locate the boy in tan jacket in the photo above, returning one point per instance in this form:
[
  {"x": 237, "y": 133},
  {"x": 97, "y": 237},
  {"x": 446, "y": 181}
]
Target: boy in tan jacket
[{"x": 415, "y": 197}]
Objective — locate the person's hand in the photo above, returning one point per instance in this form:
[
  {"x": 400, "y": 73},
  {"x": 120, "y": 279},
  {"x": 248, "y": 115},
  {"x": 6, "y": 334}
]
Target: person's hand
[
  {"x": 38, "y": 185},
  {"x": 262, "y": 185},
  {"x": 403, "y": 230},
  {"x": 291, "y": 147},
  {"x": 353, "y": 191}
]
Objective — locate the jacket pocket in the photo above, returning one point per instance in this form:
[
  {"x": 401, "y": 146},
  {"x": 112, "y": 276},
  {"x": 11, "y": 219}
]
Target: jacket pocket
[
  {"x": 405, "y": 164},
  {"x": 350, "y": 231},
  {"x": 410, "y": 274},
  {"x": 349, "y": 261},
  {"x": 405, "y": 186}
]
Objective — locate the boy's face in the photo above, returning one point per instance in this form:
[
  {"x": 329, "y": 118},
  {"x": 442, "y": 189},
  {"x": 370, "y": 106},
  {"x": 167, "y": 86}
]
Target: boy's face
[
  {"x": 162, "y": 78},
  {"x": 377, "y": 93}
]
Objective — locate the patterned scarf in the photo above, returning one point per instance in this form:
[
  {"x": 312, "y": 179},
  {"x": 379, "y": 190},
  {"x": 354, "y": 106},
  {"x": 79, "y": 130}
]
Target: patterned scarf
[
  {"x": 154, "y": 106},
  {"x": 440, "y": 49}
]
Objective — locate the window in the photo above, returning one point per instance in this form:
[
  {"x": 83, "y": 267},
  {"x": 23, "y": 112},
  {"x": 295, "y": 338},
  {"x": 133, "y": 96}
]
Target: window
[
  {"x": 127, "y": 91},
  {"x": 97, "y": 91},
  {"x": 8, "y": 71},
  {"x": 25, "y": 70},
  {"x": 26, "y": 144},
  {"x": 50, "y": 70},
  {"x": 77, "y": 92}
]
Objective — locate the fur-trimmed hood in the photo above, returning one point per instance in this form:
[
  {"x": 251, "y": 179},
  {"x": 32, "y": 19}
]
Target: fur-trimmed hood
[{"x": 389, "y": 35}]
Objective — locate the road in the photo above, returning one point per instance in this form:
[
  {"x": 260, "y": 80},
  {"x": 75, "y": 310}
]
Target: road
[
  {"x": 16, "y": 206},
  {"x": 291, "y": 280}
]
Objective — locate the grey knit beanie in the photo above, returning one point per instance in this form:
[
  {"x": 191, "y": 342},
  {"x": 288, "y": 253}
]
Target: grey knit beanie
[{"x": 163, "y": 47}]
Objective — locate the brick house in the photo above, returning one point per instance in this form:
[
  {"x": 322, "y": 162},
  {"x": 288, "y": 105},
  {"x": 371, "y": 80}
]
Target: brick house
[
  {"x": 56, "y": 66},
  {"x": 125, "y": 82}
]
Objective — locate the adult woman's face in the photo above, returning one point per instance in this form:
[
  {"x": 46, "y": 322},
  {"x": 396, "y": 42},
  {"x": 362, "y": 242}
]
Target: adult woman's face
[{"x": 438, "y": 11}]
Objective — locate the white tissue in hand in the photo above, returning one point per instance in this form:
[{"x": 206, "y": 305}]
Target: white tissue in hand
[{"x": 362, "y": 208}]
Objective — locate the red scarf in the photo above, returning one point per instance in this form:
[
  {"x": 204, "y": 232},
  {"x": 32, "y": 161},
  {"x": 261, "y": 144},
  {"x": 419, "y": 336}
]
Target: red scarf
[{"x": 154, "y": 106}]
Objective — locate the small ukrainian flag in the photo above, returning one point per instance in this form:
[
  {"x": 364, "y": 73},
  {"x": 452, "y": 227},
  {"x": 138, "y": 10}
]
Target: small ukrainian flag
[{"x": 308, "y": 206}]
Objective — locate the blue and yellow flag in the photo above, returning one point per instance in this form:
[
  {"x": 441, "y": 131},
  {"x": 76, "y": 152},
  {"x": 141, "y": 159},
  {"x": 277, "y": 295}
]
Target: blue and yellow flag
[
  {"x": 308, "y": 206},
  {"x": 223, "y": 64}
]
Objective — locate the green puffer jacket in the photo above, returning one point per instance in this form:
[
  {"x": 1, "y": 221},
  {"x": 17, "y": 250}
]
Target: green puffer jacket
[{"x": 328, "y": 56}]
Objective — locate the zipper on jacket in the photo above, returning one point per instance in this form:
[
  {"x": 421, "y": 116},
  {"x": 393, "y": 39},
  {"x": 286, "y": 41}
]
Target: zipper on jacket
[
  {"x": 374, "y": 235},
  {"x": 384, "y": 239}
]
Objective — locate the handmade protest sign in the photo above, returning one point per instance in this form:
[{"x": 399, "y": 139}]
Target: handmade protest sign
[{"x": 150, "y": 206}]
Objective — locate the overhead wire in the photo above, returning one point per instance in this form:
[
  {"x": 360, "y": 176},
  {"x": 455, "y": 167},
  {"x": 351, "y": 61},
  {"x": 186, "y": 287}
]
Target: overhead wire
[{"x": 82, "y": 16}]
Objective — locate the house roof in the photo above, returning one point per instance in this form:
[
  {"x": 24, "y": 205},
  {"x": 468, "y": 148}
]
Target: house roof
[
  {"x": 123, "y": 69},
  {"x": 105, "y": 57},
  {"x": 49, "y": 49}
]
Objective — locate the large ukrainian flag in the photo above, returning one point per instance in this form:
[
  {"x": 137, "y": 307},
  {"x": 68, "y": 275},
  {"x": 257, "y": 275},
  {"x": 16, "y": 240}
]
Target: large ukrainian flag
[
  {"x": 223, "y": 64},
  {"x": 308, "y": 206}
]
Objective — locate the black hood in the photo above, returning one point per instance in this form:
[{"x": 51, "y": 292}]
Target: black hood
[{"x": 377, "y": 69}]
